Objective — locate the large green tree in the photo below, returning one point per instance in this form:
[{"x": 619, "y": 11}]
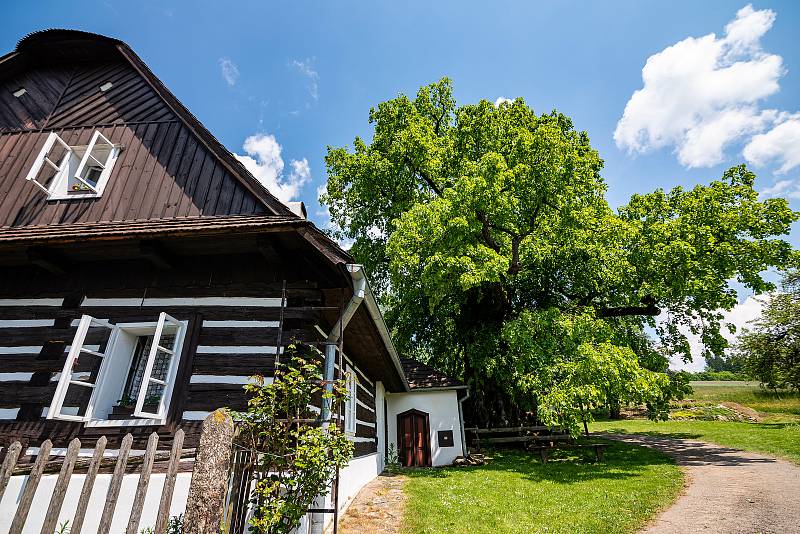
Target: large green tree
[
  {"x": 770, "y": 348},
  {"x": 486, "y": 231}
]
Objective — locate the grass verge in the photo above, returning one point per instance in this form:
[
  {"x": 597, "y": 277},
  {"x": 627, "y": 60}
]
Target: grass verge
[
  {"x": 515, "y": 493},
  {"x": 778, "y": 438}
]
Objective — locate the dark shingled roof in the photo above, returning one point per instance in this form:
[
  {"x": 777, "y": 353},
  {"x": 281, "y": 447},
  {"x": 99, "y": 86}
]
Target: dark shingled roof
[{"x": 423, "y": 376}]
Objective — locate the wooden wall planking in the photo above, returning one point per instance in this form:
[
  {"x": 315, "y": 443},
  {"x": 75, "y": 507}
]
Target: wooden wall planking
[{"x": 164, "y": 171}]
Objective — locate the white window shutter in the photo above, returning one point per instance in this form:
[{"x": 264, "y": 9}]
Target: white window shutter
[
  {"x": 68, "y": 380},
  {"x": 350, "y": 404},
  {"x": 148, "y": 379},
  {"x": 87, "y": 156},
  {"x": 44, "y": 159}
]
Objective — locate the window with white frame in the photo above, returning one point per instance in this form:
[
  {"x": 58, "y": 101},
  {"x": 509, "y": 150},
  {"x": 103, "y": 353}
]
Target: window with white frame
[
  {"x": 350, "y": 404},
  {"x": 63, "y": 171},
  {"x": 119, "y": 374}
]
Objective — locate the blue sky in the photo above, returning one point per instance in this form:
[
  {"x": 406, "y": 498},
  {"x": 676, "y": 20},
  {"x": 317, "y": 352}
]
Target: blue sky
[{"x": 306, "y": 73}]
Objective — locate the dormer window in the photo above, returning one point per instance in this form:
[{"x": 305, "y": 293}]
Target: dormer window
[{"x": 64, "y": 172}]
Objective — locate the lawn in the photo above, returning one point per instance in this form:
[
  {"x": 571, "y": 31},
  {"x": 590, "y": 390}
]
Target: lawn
[
  {"x": 747, "y": 394},
  {"x": 515, "y": 493},
  {"x": 778, "y": 439},
  {"x": 778, "y": 435}
]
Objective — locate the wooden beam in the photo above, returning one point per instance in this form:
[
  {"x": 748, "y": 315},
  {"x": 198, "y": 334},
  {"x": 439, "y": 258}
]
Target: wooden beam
[
  {"x": 47, "y": 260},
  {"x": 266, "y": 247},
  {"x": 154, "y": 252}
]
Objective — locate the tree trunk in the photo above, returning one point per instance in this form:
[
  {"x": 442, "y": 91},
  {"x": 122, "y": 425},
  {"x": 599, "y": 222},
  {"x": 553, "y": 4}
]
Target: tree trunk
[{"x": 614, "y": 409}]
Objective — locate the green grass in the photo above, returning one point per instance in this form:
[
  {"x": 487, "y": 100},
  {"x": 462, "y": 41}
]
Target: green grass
[
  {"x": 775, "y": 438},
  {"x": 778, "y": 435},
  {"x": 515, "y": 493},
  {"x": 747, "y": 394}
]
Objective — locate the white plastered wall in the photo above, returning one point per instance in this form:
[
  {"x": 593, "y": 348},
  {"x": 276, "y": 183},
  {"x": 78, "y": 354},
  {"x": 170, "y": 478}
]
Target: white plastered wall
[
  {"x": 442, "y": 406},
  {"x": 33, "y": 525}
]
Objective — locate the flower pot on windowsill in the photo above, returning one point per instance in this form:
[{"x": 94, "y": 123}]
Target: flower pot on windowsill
[
  {"x": 121, "y": 412},
  {"x": 126, "y": 412}
]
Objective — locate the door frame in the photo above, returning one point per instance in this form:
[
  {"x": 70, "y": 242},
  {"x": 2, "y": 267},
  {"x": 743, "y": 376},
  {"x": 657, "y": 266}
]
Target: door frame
[{"x": 426, "y": 452}]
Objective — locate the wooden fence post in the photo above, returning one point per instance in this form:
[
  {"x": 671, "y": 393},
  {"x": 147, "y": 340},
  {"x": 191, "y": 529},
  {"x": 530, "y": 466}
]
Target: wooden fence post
[{"x": 204, "y": 506}]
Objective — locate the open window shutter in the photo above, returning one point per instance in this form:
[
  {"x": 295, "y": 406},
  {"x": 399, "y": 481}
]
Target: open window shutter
[
  {"x": 159, "y": 368},
  {"x": 82, "y": 373},
  {"x": 44, "y": 159},
  {"x": 350, "y": 405},
  {"x": 89, "y": 159}
]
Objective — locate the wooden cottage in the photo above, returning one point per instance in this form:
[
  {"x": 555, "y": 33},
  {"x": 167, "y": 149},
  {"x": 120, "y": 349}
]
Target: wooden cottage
[{"x": 145, "y": 274}]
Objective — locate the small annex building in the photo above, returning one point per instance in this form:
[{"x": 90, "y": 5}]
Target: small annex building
[{"x": 145, "y": 275}]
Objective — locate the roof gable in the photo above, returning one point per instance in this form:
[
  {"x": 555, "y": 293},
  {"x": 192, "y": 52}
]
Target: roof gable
[{"x": 171, "y": 165}]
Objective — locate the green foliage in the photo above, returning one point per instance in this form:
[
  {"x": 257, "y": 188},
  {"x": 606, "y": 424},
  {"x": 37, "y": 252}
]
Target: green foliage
[
  {"x": 392, "y": 460},
  {"x": 771, "y": 349},
  {"x": 498, "y": 258},
  {"x": 63, "y": 528},
  {"x": 720, "y": 376},
  {"x": 299, "y": 459},
  {"x": 175, "y": 524}
]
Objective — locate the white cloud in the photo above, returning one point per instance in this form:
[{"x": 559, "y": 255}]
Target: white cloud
[
  {"x": 502, "y": 100},
  {"x": 306, "y": 68},
  {"x": 740, "y": 316},
  {"x": 701, "y": 94},
  {"x": 781, "y": 144},
  {"x": 230, "y": 72},
  {"x": 782, "y": 188},
  {"x": 263, "y": 159}
]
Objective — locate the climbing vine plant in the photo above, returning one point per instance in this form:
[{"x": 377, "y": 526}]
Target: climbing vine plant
[{"x": 296, "y": 454}]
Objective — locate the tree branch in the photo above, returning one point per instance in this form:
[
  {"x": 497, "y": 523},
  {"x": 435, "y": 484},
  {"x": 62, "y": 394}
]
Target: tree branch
[
  {"x": 485, "y": 233},
  {"x": 425, "y": 177},
  {"x": 625, "y": 311}
]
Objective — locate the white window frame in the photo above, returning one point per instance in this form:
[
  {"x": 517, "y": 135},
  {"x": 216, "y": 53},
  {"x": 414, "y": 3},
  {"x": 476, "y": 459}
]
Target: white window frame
[
  {"x": 62, "y": 175},
  {"x": 147, "y": 377},
  {"x": 351, "y": 384},
  {"x": 66, "y": 374},
  {"x": 43, "y": 159},
  {"x": 111, "y": 356}
]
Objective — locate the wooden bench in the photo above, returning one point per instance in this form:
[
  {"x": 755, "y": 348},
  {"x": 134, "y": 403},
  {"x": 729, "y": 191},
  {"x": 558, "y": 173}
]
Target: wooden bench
[{"x": 544, "y": 450}]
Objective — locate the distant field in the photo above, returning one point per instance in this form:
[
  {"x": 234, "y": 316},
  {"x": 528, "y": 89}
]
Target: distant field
[{"x": 747, "y": 394}]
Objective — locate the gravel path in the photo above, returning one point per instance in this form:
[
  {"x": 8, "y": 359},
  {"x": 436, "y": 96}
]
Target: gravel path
[
  {"x": 728, "y": 491},
  {"x": 378, "y": 508}
]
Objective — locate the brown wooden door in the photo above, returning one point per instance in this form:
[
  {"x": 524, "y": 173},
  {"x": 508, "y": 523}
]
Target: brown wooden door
[{"x": 413, "y": 436}]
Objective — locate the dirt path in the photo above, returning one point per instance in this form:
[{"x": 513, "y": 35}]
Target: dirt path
[
  {"x": 378, "y": 508},
  {"x": 728, "y": 491}
]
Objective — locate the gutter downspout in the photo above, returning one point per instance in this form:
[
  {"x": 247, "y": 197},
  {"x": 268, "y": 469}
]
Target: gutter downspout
[
  {"x": 359, "y": 292},
  {"x": 464, "y": 447}
]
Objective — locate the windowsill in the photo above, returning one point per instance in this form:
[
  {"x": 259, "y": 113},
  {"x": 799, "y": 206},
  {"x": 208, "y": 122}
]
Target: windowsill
[
  {"x": 73, "y": 196},
  {"x": 102, "y": 423}
]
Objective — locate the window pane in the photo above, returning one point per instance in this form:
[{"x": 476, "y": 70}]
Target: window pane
[
  {"x": 47, "y": 173},
  {"x": 76, "y": 400},
  {"x": 92, "y": 170},
  {"x": 136, "y": 372},
  {"x": 153, "y": 397},
  {"x": 86, "y": 368}
]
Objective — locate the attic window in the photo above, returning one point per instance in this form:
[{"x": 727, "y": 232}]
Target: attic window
[
  {"x": 64, "y": 171},
  {"x": 106, "y": 86},
  {"x": 19, "y": 92}
]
